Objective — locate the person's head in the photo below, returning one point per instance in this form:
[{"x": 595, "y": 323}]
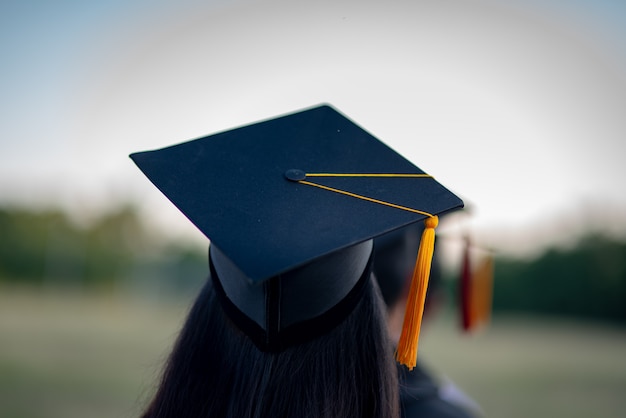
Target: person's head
[
  {"x": 291, "y": 206},
  {"x": 217, "y": 370}
]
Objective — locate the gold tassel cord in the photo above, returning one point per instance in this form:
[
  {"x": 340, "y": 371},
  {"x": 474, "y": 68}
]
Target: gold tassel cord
[
  {"x": 409, "y": 175},
  {"x": 406, "y": 352},
  {"x": 358, "y": 196}
]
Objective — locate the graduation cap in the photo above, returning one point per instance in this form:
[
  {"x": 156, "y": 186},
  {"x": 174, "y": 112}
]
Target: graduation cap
[{"x": 291, "y": 206}]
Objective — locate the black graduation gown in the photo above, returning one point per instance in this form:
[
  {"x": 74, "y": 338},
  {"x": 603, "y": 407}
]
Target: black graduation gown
[{"x": 420, "y": 397}]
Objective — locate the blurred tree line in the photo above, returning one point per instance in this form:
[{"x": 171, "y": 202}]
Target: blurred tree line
[
  {"x": 117, "y": 251},
  {"x": 47, "y": 247},
  {"x": 587, "y": 280}
]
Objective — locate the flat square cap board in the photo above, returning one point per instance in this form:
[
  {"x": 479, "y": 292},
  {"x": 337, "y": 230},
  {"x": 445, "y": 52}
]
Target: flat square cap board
[{"x": 246, "y": 189}]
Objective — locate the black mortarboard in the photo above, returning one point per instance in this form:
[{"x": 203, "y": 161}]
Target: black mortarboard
[{"x": 279, "y": 195}]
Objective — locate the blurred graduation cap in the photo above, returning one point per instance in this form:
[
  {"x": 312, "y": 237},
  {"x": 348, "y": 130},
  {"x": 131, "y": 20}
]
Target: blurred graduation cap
[
  {"x": 394, "y": 262},
  {"x": 290, "y": 206}
]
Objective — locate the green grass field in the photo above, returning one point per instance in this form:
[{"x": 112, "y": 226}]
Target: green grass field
[{"x": 66, "y": 355}]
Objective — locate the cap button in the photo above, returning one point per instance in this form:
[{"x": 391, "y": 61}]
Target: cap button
[{"x": 294, "y": 174}]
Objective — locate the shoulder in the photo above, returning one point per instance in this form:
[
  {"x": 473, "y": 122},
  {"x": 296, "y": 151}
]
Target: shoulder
[
  {"x": 434, "y": 408},
  {"x": 422, "y": 396}
]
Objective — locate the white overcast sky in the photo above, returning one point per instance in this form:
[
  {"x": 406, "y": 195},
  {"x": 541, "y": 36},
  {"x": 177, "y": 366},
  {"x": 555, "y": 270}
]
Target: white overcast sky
[{"x": 517, "y": 106}]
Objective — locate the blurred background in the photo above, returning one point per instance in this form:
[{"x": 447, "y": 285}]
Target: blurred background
[{"x": 518, "y": 106}]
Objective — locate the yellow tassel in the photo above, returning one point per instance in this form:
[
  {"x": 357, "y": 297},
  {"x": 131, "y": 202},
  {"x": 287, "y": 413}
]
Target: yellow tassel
[
  {"x": 406, "y": 353},
  {"x": 483, "y": 282}
]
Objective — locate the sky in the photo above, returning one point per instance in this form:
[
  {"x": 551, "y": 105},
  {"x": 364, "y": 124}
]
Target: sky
[{"x": 517, "y": 106}]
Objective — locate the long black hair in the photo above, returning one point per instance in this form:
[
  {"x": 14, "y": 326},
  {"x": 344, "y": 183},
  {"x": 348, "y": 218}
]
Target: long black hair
[{"x": 216, "y": 371}]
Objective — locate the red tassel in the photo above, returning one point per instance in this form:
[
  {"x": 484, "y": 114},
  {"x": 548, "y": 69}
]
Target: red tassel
[{"x": 465, "y": 288}]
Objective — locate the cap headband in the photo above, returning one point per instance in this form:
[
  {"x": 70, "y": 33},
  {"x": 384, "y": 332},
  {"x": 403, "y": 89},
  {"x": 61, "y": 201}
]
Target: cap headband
[{"x": 278, "y": 313}]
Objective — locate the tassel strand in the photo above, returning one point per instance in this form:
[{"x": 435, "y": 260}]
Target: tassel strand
[{"x": 406, "y": 353}]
